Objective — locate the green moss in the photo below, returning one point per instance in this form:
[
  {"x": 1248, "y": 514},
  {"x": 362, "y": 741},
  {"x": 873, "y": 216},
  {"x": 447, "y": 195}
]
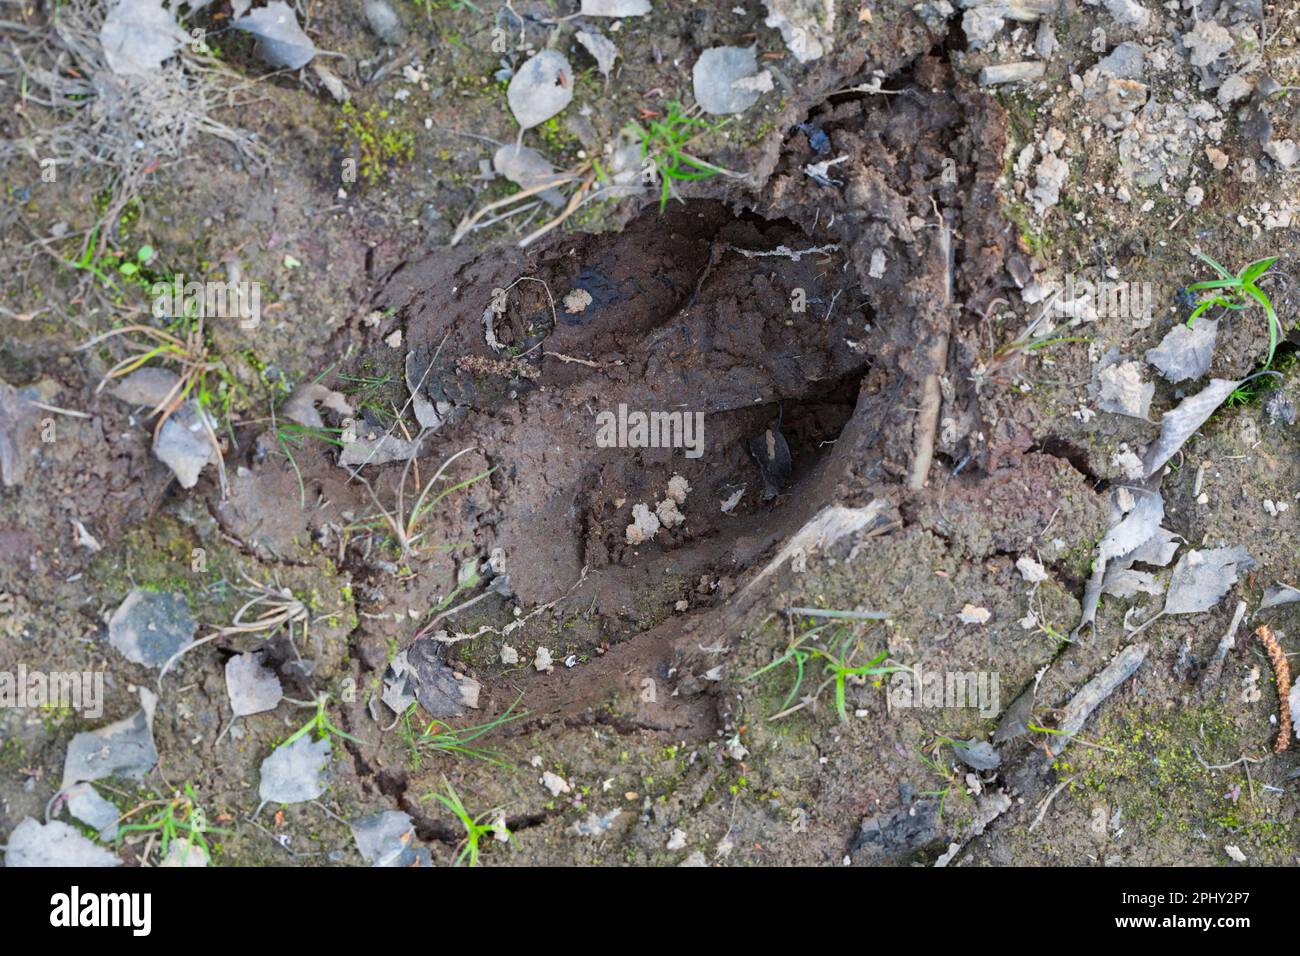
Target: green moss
[
  {"x": 764, "y": 129},
  {"x": 597, "y": 217},
  {"x": 1033, "y": 239},
  {"x": 162, "y": 557},
  {"x": 377, "y": 141},
  {"x": 1155, "y": 767},
  {"x": 13, "y": 756},
  {"x": 557, "y": 139},
  {"x": 1022, "y": 114}
]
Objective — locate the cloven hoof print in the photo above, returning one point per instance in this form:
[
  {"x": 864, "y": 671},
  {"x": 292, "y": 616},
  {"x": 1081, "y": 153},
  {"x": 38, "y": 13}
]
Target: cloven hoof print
[{"x": 754, "y": 434}]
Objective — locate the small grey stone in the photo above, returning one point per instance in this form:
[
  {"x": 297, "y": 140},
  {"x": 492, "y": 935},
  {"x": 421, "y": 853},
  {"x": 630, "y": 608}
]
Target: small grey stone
[
  {"x": 137, "y": 37},
  {"x": 1234, "y": 88},
  {"x": 86, "y": 804},
  {"x": 183, "y": 443},
  {"x": 977, "y": 754},
  {"x": 1126, "y": 62},
  {"x": 1202, "y": 578},
  {"x": 1284, "y": 152},
  {"x": 615, "y": 8},
  {"x": 1206, "y": 42},
  {"x": 123, "y": 749},
  {"x": 1128, "y": 13},
  {"x": 295, "y": 772},
  {"x": 601, "y": 48},
  {"x": 1123, "y": 392},
  {"x": 182, "y": 853},
  {"x": 715, "y": 76},
  {"x": 1045, "y": 43},
  {"x": 1185, "y": 353},
  {"x": 900, "y": 831},
  {"x": 384, "y": 838},
  {"x": 1281, "y": 409},
  {"x": 807, "y": 26},
  {"x": 251, "y": 685},
  {"x": 981, "y": 24},
  {"x": 542, "y": 87},
  {"x": 150, "y": 386},
  {"x": 527, "y": 168},
  {"x": 280, "y": 40},
  {"x": 150, "y": 627},
  {"x": 438, "y": 688},
  {"x": 53, "y": 844},
  {"x": 383, "y": 21},
  {"x": 18, "y": 418}
]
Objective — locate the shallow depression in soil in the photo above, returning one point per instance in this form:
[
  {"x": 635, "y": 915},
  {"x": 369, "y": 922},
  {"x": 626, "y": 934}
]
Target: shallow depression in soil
[{"x": 738, "y": 336}]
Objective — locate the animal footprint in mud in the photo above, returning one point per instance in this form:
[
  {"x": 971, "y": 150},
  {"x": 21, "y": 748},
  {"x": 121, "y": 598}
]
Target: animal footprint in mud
[{"x": 773, "y": 456}]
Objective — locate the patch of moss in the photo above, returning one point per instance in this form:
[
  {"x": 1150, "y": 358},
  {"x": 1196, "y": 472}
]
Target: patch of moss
[
  {"x": 166, "y": 555},
  {"x": 374, "y": 138},
  {"x": 1155, "y": 767},
  {"x": 559, "y": 142}
]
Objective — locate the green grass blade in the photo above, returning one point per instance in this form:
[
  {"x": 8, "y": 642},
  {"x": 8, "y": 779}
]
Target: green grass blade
[
  {"x": 1215, "y": 266},
  {"x": 1232, "y": 283},
  {"x": 1256, "y": 269},
  {"x": 1274, "y": 325}
]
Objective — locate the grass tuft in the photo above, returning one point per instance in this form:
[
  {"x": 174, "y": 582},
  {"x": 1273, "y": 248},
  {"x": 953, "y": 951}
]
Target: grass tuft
[
  {"x": 1237, "y": 292},
  {"x": 475, "y": 827},
  {"x": 441, "y": 737},
  {"x": 664, "y": 142},
  {"x": 836, "y": 656}
]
